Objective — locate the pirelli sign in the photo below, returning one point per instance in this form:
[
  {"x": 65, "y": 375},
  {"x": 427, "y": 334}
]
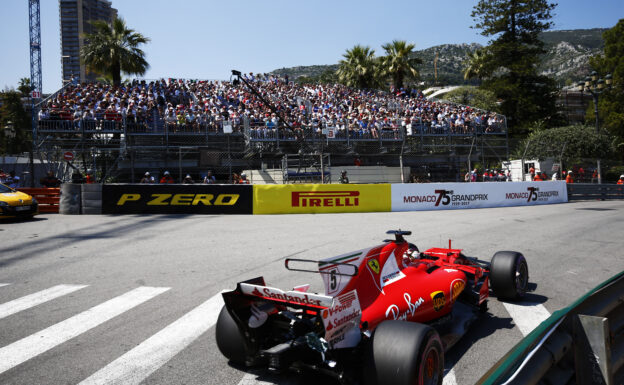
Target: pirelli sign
[
  {"x": 176, "y": 199},
  {"x": 321, "y": 198}
]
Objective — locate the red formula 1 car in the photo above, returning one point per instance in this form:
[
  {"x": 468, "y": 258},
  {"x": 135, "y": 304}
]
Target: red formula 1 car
[{"x": 388, "y": 314}]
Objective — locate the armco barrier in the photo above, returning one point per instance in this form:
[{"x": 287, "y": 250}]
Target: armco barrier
[
  {"x": 444, "y": 196},
  {"x": 592, "y": 191},
  {"x": 176, "y": 199},
  {"x": 580, "y": 344},
  {"x": 48, "y": 198},
  {"x": 320, "y": 198},
  {"x": 91, "y": 198}
]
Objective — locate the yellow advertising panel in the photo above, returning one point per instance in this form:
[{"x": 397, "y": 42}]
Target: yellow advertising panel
[{"x": 321, "y": 198}]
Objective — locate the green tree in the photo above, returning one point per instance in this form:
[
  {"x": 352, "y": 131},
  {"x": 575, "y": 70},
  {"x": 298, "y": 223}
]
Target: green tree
[
  {"x": 13, "y": 115},
  {"x": 570, "y": 143},
  {"x": 399, "y": 63},
  {"x": 359, "y": 69},
  {"x": 475, "y": 65},
  {"x": 24, "y": 87},
  {"x": 510, "y": 68},
  {"x": 610, "y": 104},
  {"x": 114, "y": 48},
  {"x": 473, "y": 96}
]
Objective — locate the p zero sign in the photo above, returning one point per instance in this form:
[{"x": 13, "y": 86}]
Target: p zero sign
[
  {"x": 444, "y": 196},
  {"x": 176, "y": 199},
  {"x": 321, "y": 198}
]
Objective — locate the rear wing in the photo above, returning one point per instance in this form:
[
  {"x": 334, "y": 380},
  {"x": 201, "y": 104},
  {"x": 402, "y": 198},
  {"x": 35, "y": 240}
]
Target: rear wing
[
  {"x": 255, "y": 289},
  {"x": 299, "y": 263}
]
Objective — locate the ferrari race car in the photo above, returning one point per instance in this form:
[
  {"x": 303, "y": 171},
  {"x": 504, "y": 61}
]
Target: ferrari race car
[{"x": 388, "y": 314}]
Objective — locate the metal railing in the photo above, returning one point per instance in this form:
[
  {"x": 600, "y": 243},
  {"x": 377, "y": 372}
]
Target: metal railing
[{"x": 595, "y": 191}]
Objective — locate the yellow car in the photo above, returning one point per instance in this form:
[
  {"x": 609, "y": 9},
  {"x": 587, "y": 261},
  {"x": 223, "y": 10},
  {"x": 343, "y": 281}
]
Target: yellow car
[{"x": 16, "y": 204}]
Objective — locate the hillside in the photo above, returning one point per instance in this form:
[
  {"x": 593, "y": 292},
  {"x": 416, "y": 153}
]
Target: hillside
[{"x": 566, "y": 59}]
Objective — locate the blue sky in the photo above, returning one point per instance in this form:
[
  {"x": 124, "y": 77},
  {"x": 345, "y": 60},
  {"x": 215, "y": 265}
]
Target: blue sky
[{"x": 205, "y": 39}]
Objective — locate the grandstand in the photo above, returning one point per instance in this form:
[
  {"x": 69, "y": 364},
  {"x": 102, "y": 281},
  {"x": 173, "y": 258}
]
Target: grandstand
[{"x": 190, "y": 126}]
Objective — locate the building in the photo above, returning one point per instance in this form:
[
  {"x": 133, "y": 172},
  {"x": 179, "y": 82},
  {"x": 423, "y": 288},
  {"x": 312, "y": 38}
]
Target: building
[{"x": 75, "y": 17}]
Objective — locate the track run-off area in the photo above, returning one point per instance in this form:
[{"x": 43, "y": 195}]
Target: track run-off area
[{"x": 134, "y": 299}]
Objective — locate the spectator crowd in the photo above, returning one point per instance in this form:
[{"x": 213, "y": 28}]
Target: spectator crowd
[{"x": 204, "y": 106}]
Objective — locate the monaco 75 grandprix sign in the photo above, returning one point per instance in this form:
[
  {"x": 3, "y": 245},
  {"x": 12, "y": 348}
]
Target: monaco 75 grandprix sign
[{"x": 444, "y": 196}]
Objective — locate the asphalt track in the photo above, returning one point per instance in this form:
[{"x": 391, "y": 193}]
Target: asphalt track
[{"x": 133, "y": 299}]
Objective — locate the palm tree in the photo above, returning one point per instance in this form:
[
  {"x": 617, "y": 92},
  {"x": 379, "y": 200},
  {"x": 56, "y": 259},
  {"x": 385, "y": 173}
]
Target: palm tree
[
  {"x": 399, "y": 62},
  {"x": 475, "y": 65},
  {"x": 359, "y": 69},
  {"x": 114, "y": 48}
]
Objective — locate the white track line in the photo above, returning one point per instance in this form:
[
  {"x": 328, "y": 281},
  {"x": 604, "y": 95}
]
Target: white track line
[
  {"x": 4, "y": 284},
  {"x": 449, "y": 378},
  {"x": 31, "y": 300},
  {"x": 137, "y": 364},
  {"x": 527, "y": 315},
  {"x": 40, "y": 342},
  {"x": 252, "y": 379}
]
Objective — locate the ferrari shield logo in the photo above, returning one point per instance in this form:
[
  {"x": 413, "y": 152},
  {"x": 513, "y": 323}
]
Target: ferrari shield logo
[{"x": 373, "y": 264}]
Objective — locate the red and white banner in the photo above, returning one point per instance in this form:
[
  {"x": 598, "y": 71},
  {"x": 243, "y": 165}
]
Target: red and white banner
[{"x": 445, "y": 196}]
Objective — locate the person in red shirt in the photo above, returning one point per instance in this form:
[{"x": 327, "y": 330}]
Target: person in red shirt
[
  {"x": 90, "y": 176},
  {"x": 537, "y": 178},
  {"x": 167, "y": 178}
]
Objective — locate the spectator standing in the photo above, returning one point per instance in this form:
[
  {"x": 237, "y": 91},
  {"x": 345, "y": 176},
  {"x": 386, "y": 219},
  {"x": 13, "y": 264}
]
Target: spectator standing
[
  {"x": 532, "y": 172},
  {"x": 569, "y": 178},
  {"x": 167, "y": 178},
  {"x": 13, "y": 181},
  {"x": 243, "y": 178},
  {"x": 344, "y": 179},
  {"x": 594, "y": 176},
  {"x": 188, "y": 179},
  {"x": 147, "y": 178},
  {"x": 50, "y": 180},
  {"x": 581, "y": 175},
  {"x": 209, "y": 178},
  {"x": 90, "y": 176}
]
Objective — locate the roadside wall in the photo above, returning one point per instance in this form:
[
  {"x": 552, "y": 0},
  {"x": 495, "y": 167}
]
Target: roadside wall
[{"x": 311, "y": 198}]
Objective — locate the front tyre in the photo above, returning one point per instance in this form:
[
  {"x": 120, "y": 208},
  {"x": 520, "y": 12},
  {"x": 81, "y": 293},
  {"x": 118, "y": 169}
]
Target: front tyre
[
  {"x": 405, "y": 353},
  {"x": 509, "y": 275},
  {"x": 230, "y": 340}
]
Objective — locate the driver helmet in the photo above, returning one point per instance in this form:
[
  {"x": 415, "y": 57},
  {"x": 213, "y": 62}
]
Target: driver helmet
[
  {"x": 166, "y": 172},
  {"x": 243, "y": 175},
  {"x": 622, "y": 176},
  {"x": 147, "y": 173}
]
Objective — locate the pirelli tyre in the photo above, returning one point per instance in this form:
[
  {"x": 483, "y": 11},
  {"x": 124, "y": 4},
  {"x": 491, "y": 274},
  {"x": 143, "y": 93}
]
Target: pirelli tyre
[
  {"x": 509, "y": 275},
  {"x": 404, "y": 353},
  {"x": 230, "y": 340}
]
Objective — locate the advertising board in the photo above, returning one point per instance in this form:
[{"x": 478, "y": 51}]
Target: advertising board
[
  {"x": 176, "y": 199},
  {"x": 444, "y": 196},
  {"x": 321, "y": 198}
]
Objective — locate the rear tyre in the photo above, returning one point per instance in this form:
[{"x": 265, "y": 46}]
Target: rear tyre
[
  {"x": 509, "y": 275},
  {"x": 230, "y": 340},
  {"x": 405, "y": 353}
]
